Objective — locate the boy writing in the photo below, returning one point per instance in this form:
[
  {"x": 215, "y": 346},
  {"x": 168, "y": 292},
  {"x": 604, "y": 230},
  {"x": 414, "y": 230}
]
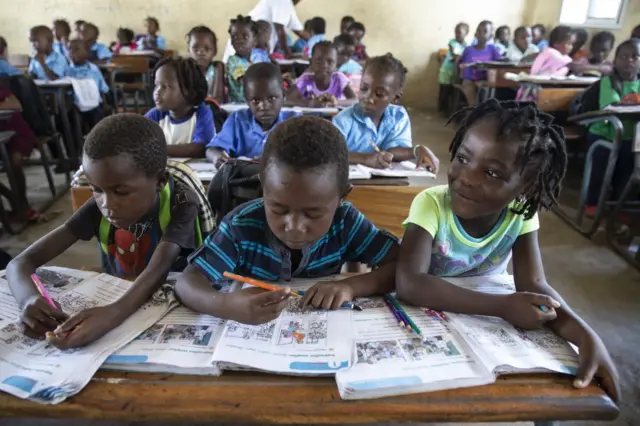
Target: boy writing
[
  {"x": 245, "y": 131},
  {"x": 300, "y": 228},
  {"x": 124, "y": 160}
]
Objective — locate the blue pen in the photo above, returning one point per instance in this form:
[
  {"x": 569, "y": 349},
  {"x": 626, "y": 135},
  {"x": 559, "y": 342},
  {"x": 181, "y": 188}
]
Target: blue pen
[{"x": 345, "y": 305}]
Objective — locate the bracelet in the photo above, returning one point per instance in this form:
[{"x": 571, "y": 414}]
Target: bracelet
[{"x": 415, "y": 148}]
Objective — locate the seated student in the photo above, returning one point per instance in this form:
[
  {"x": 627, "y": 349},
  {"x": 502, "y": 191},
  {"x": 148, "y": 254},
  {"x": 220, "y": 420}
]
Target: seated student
[
  {"x": 126, "y": 42},
  {"x": 609, "y": 90},
  {"x": 376, "y": 120},
  {"x": 243, "y": 39},
  {"x": 301, "y": 43},
  {"x": 81, "y": 68},
  {"x": 508, "y": 161},
  {"x": 480, "y": 52},
  {"x": 203, "y": 47},
  {"x": 503, "y": 39},
  {"x": 300, "y": 228},
  {"x": 263, "y": 37},
  {"x": 357, "y": 31},
  {"x": 45, "y": 64},
  {"x": 179, "y": 94},
  {"x": 317, "y": 31},
  {"x": 245, "y": 132},
  {"x": 345, "y": 46},
  {"x": 124, "y": 159},
  {"x": 578, "y": 53},
  {"x": 521, "y": 49},
  {"x": 78, "y": 28},
  {"x": 538, "y": 32},
  {"x": 152, "y": 40},
  {"x": 601, "y": 46},
  {"x": 448, "y": 73},
  {"x": 62, "y": 32},
  {"x": 323, "y": 82},
  {"x": 636, "y": 32},
  {"x": 6, "y": 69},
  {"x": 98, "y": 52},
  {"x": 345, "y": 23}
]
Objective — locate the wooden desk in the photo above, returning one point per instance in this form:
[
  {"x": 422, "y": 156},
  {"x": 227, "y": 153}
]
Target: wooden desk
[
  {"x": 555, "y": 99},
  {"x": 261, "y": 399},
  {"x": 386, "y": 206}
]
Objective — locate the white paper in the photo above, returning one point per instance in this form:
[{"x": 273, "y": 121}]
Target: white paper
[
  {"x": 357, "y": 171},
  {"x": 303, "y": 110},
  {"x": 292, "y": 61},
  {"x": 401, "y": 169}
]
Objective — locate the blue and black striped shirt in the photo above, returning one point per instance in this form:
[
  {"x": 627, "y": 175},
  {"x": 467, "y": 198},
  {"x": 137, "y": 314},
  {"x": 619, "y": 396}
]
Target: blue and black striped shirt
[{"x": 244, "y": 244}]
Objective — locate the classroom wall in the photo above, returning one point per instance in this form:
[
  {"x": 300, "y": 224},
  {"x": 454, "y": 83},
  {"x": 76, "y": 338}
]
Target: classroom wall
[{"x": 413, "y": 30}]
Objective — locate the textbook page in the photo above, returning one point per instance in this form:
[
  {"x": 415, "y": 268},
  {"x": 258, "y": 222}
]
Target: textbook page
[
  {"x": 392, "y": 361},
  {"x": 298, "y": 342},
  {"x": 33, "y": 369},
  {"x": 400, "y": 169},
  {"x": 357, "y": 171}
]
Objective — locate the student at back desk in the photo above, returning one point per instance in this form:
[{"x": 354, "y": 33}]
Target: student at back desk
[
  {"x": 508, "y": 161},
  {"x": 203, "y": 48},
  {"x": 98, "y": 52},
  {"x": 611, "y": 90},
  {"x": 600, "y": 48},
  {"x": 62, "y": 32},
  {"x": 376, "y": 122},
  {"x": 263, "y": 37},
  {"x": 152, "y": 40},
  {"x": 245, "y": 131},
  {"x": 124, "y": 160},
  {"x": 179, "y": 94},
  {"x": 243, "y": 39},
  {"x": 46, "y": 64},
  {"x": 448, "y": 73},
  {"x": 300, "y": 228},
  {"x": 126, "y": 42},
  {"x": 345, "y": 23},
  {"x": 480, "y": 52},
  {"x": 317, "y": 29},
  {"x": 357, "y": 30},
  {"x": 521, "y": 49},
  {"x": 538, "y": 32}
]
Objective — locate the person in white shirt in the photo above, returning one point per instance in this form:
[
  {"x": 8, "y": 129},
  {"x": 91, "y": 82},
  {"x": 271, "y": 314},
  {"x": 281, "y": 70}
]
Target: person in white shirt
[
  {"x": 521, "y": 49},
  {"x": 282, "y": 16}
]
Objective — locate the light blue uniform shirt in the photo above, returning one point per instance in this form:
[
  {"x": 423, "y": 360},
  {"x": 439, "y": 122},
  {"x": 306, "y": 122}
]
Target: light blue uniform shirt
[
  {"x": 242, "y": 135},
  {"x": 59, "y": 47},
  {"x": 350, "y": 67},
  {"x": 88, "y": 70},
  {"x": 99, "y": 51},
  {"x": 313, "y": 41},
  {"x": 394, "y": 130},
  {"x": 543, "y": 44},
  {"x": 259, "y": 55},
  {"x": 7, "y": 69},
  {"x": 56, "y": 63},
  {"x": 161, "y": 43}
]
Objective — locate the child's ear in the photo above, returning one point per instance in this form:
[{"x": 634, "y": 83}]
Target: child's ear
[
  {"x": 346, "y": 192},
  {"x": 398, "y": 96},
  {"x": 163, "y": 178}
]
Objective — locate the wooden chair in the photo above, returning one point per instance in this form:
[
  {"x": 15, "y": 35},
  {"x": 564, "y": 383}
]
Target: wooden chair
[{"x": 131, "y": 65}]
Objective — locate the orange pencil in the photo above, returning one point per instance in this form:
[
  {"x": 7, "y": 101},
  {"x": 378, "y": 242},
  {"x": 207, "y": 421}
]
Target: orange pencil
[{"x": 256, "y": 283}]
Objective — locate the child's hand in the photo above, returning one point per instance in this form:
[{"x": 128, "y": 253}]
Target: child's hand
[
  {"x": 85, "y": 327},
  {"x": 522, "y": 309},
  {"x": 595, "y": 361},
  {"x": 223, "y": 158},
  {"x": 379, "y": 160},
  {"x": 39, "y": 316},
  {"x": 426, "y": 158},
  {"x": 251, "y": 307},
  {"x": 327, "y": 295}
]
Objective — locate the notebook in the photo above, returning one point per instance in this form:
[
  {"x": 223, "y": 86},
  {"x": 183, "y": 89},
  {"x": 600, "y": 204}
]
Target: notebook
[{"x": 397, "y": 170}]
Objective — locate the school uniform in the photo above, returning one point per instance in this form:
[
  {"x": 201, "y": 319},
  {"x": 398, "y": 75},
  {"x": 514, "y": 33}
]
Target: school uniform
[
  {"x": 514, "y": 54},
  {"x": 244, "y": 244},
  {"x": 210, "y": 76},
  {"x": 308, "y": 50},
  {"x": 6, "y": 69},
  {"x": 243, "y": 136},
  {"x": 550, "y": 62},
  {"x": 56, "y": 63},
  {"x": 196, "y": 127},
  {"x": 350, "y": 67},
  {"x": 237, "y": 66},
  {"x": 161, "y": 42},
  {"x": 89, "y": 71},
  {"x": 99, "y": 52},
  {"x": 359, "y": 131},
  {"x": 542, "y": 44},
  {"x": 61, "y": 48},
  {"x": 259, "y": 55}
]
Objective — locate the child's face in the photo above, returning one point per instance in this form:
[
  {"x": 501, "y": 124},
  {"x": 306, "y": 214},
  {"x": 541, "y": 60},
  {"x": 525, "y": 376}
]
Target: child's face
[
  {"x": 264, "y": 36},
  {"x": 627, "y": 63},
  {"x": 536, "y": 33},
  {"x": 483, "y": 33},
  {"x": 344, "y": 52},
  {"x": 60, "y": 31},
  {"x": 265, "y": 99},
  {"x": 89, "y": 33},
  {"x": 344, "y": 26},
  {"x": 484, "y": 176},
  {"x": 79, "y": 52},
  {"x": 299, "y": 206},
  {"x": 324, "y": 61},
  {"x": 150, "y": 26},
  {"x": 202, "y": 49},
  {"x": 461, "y": 32},
  {"x": 504, "y": 36},
  {"x": 42, "y": 41},
  {"x": 122, "y": 38},
  {"x": 565, "y": 47},
  {"x": 378, "y": 89},
  {"x": 166, "y": 93},
  {"x": 357, "y": 34},
  {"x": 123, "y": 194},
  {"x": 522, "y": 39},
  {"x": 601, "y": 51},
  {"x": 242, "y": 39}
]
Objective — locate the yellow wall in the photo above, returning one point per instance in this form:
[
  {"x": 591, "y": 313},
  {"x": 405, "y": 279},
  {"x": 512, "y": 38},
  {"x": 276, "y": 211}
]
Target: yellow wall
[{"x": 412, "y": 29}]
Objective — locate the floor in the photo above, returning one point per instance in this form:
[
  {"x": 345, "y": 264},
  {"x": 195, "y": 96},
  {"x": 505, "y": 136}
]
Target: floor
[{"x": 598, "y": 284}]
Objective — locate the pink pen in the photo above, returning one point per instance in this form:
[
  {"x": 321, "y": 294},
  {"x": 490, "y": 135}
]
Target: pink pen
[{"x": 42, "y": 290}]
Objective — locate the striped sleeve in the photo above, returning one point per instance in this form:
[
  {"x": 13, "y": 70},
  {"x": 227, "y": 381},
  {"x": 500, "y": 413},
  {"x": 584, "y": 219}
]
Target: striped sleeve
[
  {"x": 364, "y": 242},
  {"x": 218, "y": 254}
]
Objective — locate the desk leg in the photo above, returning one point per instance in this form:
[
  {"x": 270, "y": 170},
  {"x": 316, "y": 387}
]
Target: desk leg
[{"x": 68, "y": 133}]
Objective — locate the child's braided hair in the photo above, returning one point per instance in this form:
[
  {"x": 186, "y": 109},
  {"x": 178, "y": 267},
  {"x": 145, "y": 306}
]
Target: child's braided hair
[
  {"x": 244, "y": 20},
  {"x": 193, "y": 84},
  {"x": 543, "y": 156}
]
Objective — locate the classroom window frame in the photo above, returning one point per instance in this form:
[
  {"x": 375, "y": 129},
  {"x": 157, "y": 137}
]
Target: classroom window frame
[{"x": 592, "y": 22}]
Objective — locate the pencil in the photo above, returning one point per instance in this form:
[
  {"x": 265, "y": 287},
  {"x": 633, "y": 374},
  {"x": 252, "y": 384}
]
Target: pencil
[
  {"x": 402, "y": 311},
  {"x": 373, "y": 144},
  {"x": 42, "y": 290},
  {"x": 394, "y": 311},
  {"x": 256, "y": 283}
]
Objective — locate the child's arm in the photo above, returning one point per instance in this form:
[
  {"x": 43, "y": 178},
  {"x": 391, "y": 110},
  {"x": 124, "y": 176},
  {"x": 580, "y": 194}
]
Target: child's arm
[
  {"x": 218, "y": 85},
  {"x": 190, "y": 150},
  {"x": 217, "y": 156},
  {"x": 422, "y": 155},
  {"x": 40, "y": 57},
  {"x": 224, "y": 142},
  {"x": 578, "y": 68},
  {"x": 38, "y": 316},
  {"x": 375, "y": 160},
  {"x": 365, "y": 244},
  {"x": 529, "y": 276}
]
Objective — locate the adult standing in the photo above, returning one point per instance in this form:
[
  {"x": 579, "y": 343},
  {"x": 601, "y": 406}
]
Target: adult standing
[{"x": 282, "y": 16}]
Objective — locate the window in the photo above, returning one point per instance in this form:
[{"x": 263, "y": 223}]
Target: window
[{"x": 593, "y": 13}]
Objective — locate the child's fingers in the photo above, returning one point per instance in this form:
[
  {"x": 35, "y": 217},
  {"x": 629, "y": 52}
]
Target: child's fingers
[
  {"x": 308, "y": 295},
  {"x": 586, "y": 370},
  {"x": 271, "y": 297},
  {"x": 34, "y": 327},
  {"x": 543, "y": 300},
  {"x": 338, "y": 301},
  {"x": 72, "y": 322},
  {"x": 55, "y": 313},
  {"x": 327, "y": 301}
]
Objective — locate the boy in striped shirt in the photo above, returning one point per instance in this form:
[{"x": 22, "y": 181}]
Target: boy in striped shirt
[{"x": 300, "y": 228}]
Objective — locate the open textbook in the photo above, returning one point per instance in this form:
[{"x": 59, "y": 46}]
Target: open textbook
[
  {"x": 35, "y": 370},
  {"x": 397, "y": 170},
  {"x": 462, "y": 351}
]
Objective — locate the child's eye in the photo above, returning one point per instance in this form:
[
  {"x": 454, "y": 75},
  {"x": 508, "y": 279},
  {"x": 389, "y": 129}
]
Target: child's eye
[
  {"x": 272, "y": 98},
  {"x": 121, "y": 193},
  {"x": 462, "y": 159},
  {"x": 96, "y": 190},
  {"x": 493, "y": 174},
  {"x": 278, "y": 211}
]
